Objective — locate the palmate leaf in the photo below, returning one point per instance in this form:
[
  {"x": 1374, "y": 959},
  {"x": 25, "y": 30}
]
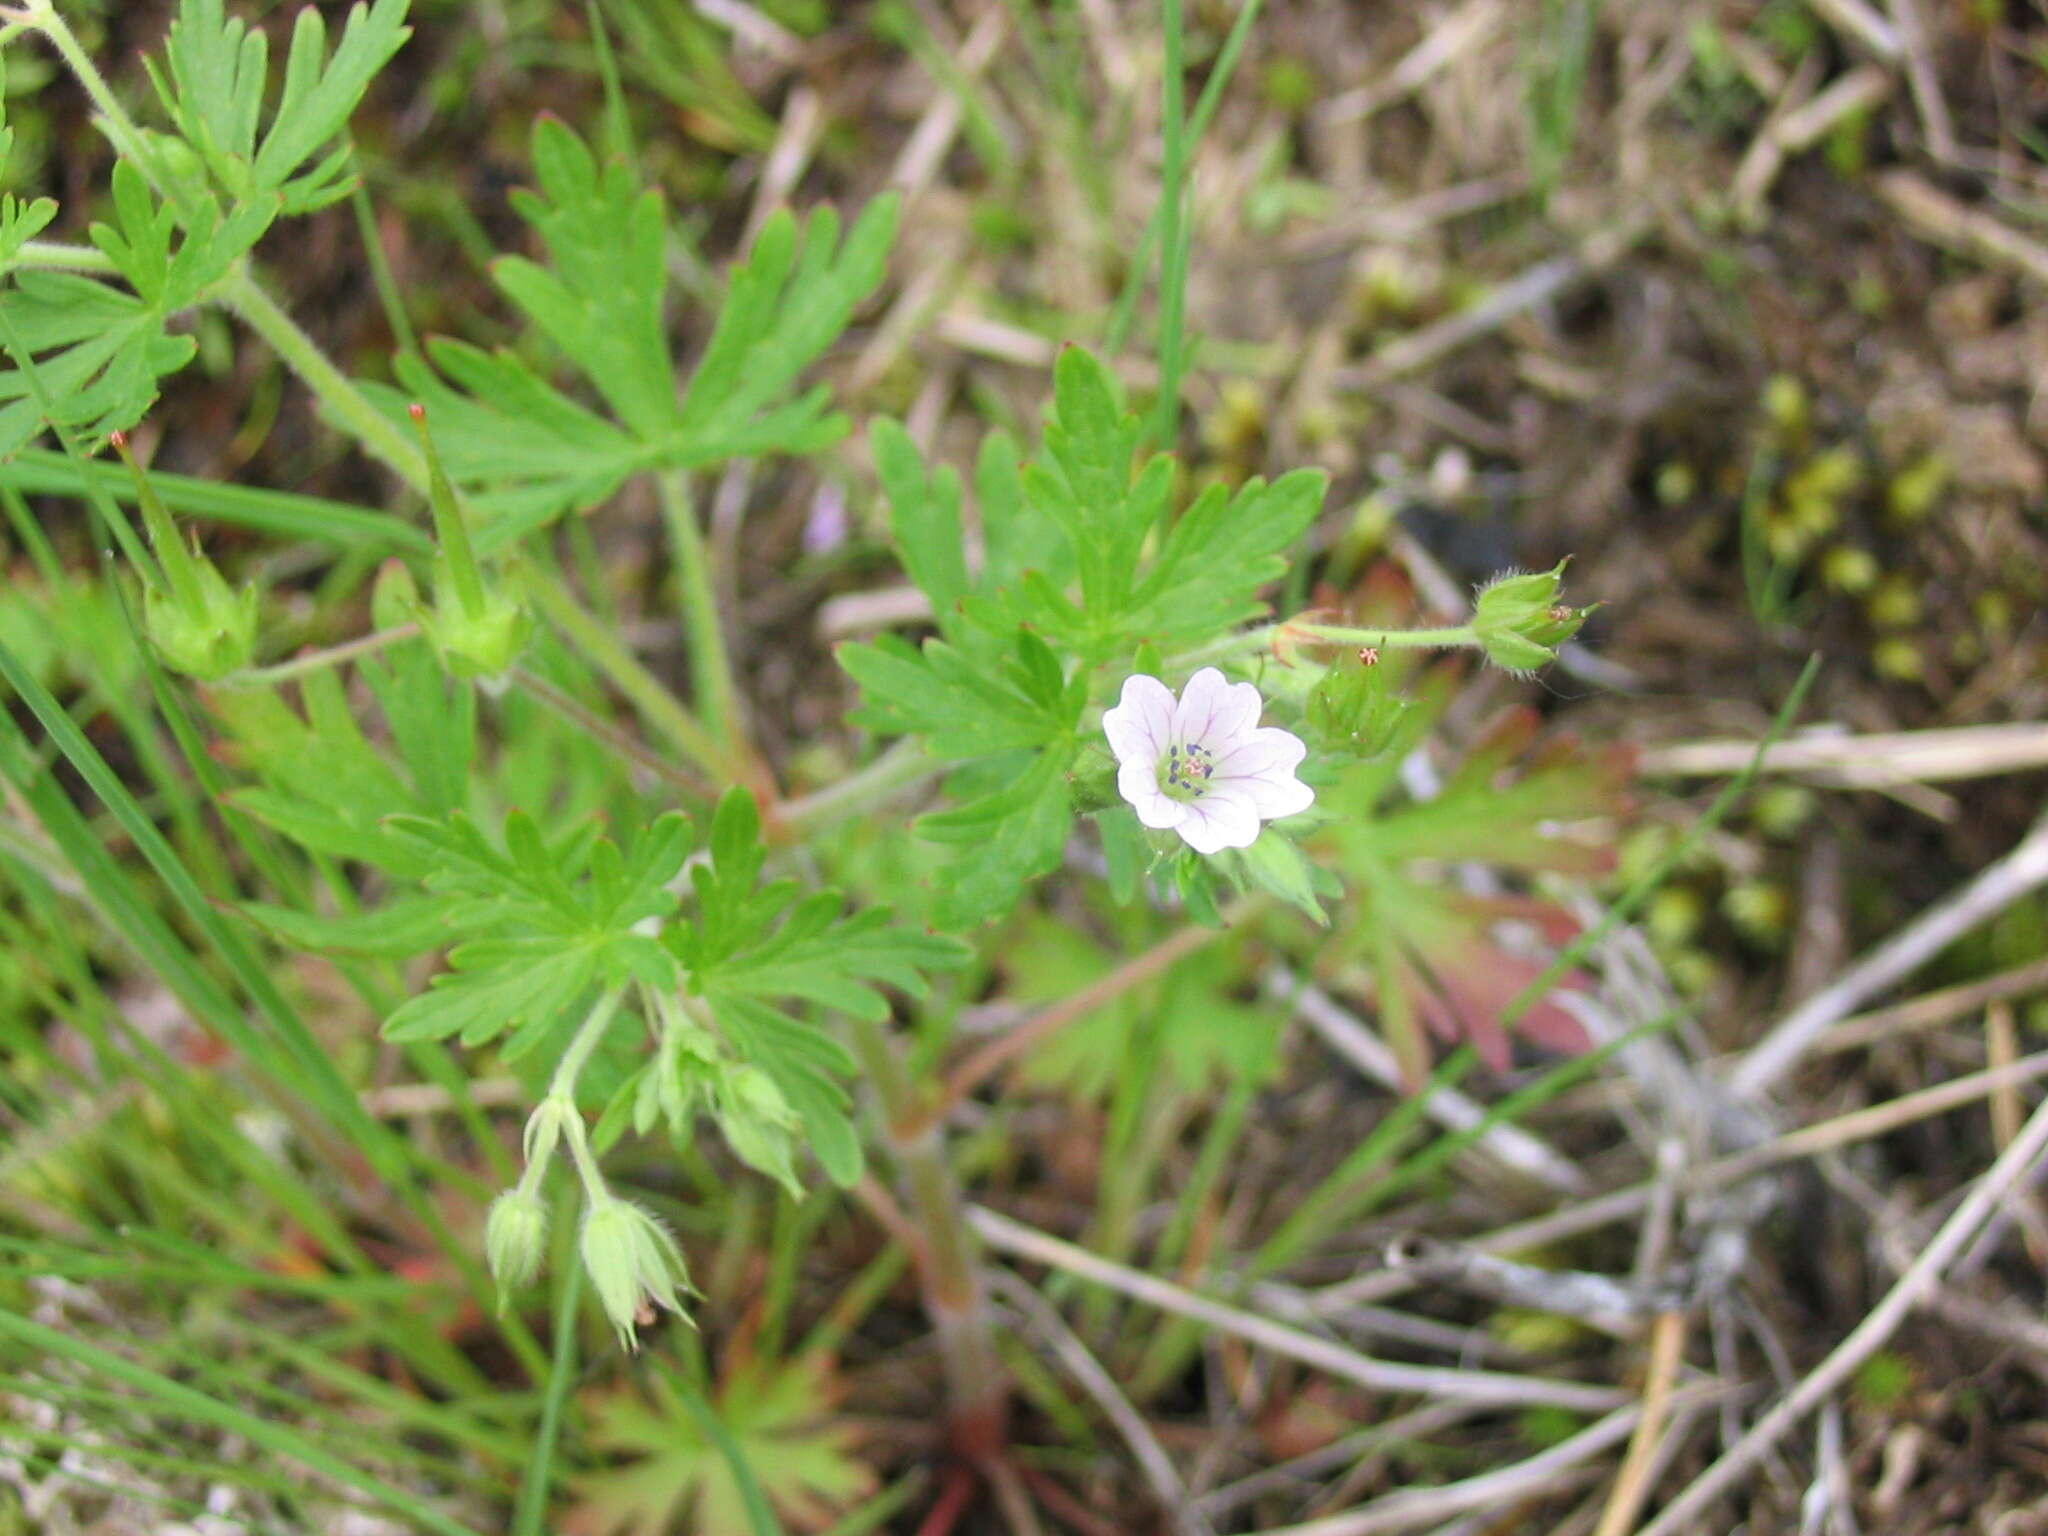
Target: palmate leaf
[
  {"x": 531, "y": 450},
  {"x": 20, "y": 221},
  {"x": 98, "y": 352},
  {"x": 320, "y": 782},
  {"x": 750, "y": 951},
  {"x": 670, "y": 1474},
  {"x": 1080, "y": 519},
  {"x": 213, "y": 80},
  {"x": 1015, "y": 718},
  {"x": 545, "y": 923},
  {"x": 1186, "y": 1025},
  {"x": 1433, "y": 949}
]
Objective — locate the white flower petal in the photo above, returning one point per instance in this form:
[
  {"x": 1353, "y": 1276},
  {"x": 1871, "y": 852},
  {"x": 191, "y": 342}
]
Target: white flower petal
[
  {"x": 1139, "y": 725},
  {"x": 1137, "y": 781},
  {"x": 1266, "y": 750},
  {"x": 1221, "y": 819},
  {"x": 1274, "y": 795},
  {"x": 1215, "y": 713}
]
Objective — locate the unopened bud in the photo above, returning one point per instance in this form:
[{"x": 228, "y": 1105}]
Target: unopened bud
[
  {"x": 633, "y": 1264},
  {"x": 200, "y": 625},
  {"x": 515, "y": 1238},
  {"x": 1520, "y": 622},
  {"x": 476, "y": 625}
]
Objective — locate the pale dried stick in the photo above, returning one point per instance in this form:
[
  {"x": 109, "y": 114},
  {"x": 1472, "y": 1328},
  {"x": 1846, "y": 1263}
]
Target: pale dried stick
[
  {"x": 1932, "y": 1008},
  {"x": 1632, "y": 1483},
  {"x": 1184, "y": 1514},
  {"x": 1866, "y": 762},
  {"x": 795, "y": 137},
  {"x": 1418, "y": 1424},
  {"x": 928, "y": 142},
  {"x": 1916, "y": 51},
  {"x": 1994, "y": 889},
  {"x": 1859, "y": 21},
  {"x": 1013, "y": 1237},
  {"x": 1956, "y": 226},
  {"x": 1517, "y": 1149},
  {"x": 1687, "y": 1511},
  {"x": 1798, "y": 127},
  {"x": 1442, "y": 43},
  {"x": 1620, "y": 1204},
  {"x": 1562, "y": 1466},
  {"x": 1533, "y": 286}
]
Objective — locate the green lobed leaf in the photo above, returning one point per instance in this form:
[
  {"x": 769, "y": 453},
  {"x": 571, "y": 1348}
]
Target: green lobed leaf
[
  {"x": 212, "y": 84},
  {"x": 531, "y": 450}
]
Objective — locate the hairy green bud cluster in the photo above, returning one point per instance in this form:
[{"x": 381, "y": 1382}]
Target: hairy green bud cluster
[
  {"x": 1520, "y": 622},
  {"x": 633, "y": 1263}
]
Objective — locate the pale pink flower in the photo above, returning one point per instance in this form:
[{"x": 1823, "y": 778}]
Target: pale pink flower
[{"x": 1203, "y": 765}]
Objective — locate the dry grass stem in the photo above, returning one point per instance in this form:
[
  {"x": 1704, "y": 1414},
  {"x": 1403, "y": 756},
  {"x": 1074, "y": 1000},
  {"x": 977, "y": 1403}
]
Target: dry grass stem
[
  {"x": 2018, "y": 874},
  {"x": 1512, "y": 1147},
  {"x": 1013, "y": 1237},
  {"x": 1867, "y": 762},
  {"x": 1913, "y": 1288}
]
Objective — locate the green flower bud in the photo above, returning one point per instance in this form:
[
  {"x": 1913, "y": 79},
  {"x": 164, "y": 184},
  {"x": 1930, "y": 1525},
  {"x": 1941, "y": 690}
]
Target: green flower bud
[
  {"x": 633, "y": 1264},
  {"x": 200, "y": 625},
  {"x": 515, "y": 1238},
  {"x": 483, "y": 644},
  {"x": 478, "y": 628},
  {"x": 1520, "y": 622},
  {"x": 1354, "y": 708},
  {"x": 759, "y": 1125}
]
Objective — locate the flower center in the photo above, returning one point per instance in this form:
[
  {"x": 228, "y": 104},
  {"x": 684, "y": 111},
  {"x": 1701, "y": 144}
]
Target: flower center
[{"x": 1184, "y": 771}]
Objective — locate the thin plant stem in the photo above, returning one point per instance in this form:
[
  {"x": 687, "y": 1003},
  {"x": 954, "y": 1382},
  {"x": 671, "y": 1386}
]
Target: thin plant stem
[
  {"x": 1205, "y": 108},
  {"x": 529, "y": 1518},
  {"x": 599, "y": 646},
  {"x": 948, "y": 1261},
  {"x": 711, "y": 679},
  {"x": 1173, "y": 263},
  {"x": 588, "y": 1034},
  {"x": 1042, "y": 1026},
  {"x": 388, "y": 294},
  {"x": 48, "y": 256},
  {"x": 314, "y": 661},
  {"x": 583, "y": 719},
  {"x": 904, "y": 764},
  {"x": 118, "y": 125},
  {"x": 337, "y": 393},
  {"x": 1306, "y": 632}
]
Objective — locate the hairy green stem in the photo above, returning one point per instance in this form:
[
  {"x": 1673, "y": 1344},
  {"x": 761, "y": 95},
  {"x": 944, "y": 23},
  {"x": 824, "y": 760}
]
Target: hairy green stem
[
  {"x": 120, "y": 128},
  {"x": 337, "y": 393},
  {"x": 904, "y": 764},
  {"x": 48, "y": 256},
  {"x": 948, "y": 1264},
  {"x": 1454, "y": 637},
  {"x": 588, "y": 1034},
  {"x": 314, "y": 661}
]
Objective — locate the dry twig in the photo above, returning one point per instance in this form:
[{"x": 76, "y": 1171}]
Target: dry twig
[{"x": 1913, "y": 1288}]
